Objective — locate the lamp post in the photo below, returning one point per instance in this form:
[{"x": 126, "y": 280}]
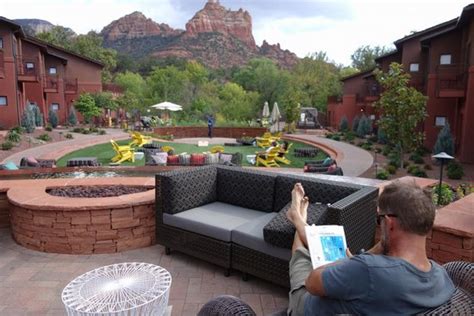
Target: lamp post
[{"x": 442, "y": 156}]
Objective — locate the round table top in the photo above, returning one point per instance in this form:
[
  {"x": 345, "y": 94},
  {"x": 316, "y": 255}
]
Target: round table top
[{"x": 118, "y": 287}]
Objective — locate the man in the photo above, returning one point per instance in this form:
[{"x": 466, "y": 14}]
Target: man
[
  {"x": 210, "y": 125},
  {"x": 395, "y": 277}
]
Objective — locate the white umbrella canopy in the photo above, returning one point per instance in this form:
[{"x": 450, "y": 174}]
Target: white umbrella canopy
[
  {"x": 266, "y": 110},
  {"x": 168, "y": 106}
]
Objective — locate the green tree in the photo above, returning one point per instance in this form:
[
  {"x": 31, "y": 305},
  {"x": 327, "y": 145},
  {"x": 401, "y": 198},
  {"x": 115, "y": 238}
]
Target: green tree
[
  {"x": 291, "y": 105},
  {"x": 85, "y": 104},
  {"x": 104, "y": 100},
  {"x": 444, "y": 141},
  {"x": 59, "y": 36},
  {"x": 236, "y": 103},
  {"x": 364, "y": 57},
  {"x": 401, "y": 109},
  {"x": 167, "y": 84},
  {"x": 197, "y": 75},
  {"x": 129, "y": 101}
]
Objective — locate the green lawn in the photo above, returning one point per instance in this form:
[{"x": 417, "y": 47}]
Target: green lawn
[{"x": 104, "y": 153}]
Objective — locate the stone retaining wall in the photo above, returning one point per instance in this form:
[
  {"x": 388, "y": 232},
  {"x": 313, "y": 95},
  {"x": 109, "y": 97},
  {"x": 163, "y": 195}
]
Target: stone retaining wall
[
  {"x": 4, "y": 206},
  {"x": 84, "y": 232},
  {"x": 227, "y": 132}
]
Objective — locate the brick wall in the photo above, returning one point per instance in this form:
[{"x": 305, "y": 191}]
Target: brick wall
[
  {"x": 444, "y": 247},
  {"x": 4, "y": 206},
  {"x": 227, "y": 132},
  {"x": 84, "y": 232}
]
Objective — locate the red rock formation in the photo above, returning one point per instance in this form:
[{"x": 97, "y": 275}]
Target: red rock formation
[
  {"x": 285, "y": 58},
  {"x": 136, "y": 25},
  {"x": 215, "y": 18}
]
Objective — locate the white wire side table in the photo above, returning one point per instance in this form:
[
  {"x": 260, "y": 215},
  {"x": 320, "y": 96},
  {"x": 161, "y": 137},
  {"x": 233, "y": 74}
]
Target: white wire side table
[{"x": 130, "y": 288}]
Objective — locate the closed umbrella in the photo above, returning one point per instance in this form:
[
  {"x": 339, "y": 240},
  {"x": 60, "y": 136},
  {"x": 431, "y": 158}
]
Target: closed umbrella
[
  {"x": 266, "y": 110},
  {"x": 276, "y": 115}
]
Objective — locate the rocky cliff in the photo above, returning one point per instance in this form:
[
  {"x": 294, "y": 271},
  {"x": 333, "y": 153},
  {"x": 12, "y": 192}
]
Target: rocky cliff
[
  {"x": 215, "y": 36},
  {"x": 34, "y": 26},
  {"x": 136, "y": 25}
]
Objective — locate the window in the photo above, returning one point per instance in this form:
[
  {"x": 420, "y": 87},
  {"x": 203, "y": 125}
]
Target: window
[
  {"x": 445, "y": 59},
  {"x": 54, "y": 106},
  {"x": 52, "y": 70},
  {"x": 30, "y": 65},
  {"x": 440, "y": 121},
  {"x": 3, "y": 101},
  {"x": 414, "y": 67},
  {"x": 1, "y": 43}
]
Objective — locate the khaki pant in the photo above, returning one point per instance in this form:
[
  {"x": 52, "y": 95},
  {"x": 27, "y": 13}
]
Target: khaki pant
[{"x": 300, "y": 268}]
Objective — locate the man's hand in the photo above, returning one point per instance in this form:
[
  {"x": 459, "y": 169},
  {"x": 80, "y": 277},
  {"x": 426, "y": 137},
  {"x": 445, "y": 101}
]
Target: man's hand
[{"x": 349, "y": 253}]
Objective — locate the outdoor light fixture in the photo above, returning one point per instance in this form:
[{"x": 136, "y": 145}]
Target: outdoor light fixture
[{"x": 442, "y": 156}]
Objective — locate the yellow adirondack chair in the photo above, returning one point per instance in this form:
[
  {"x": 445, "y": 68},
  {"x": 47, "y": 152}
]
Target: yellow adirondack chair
[
  {"x": 267, "y": 159},
  {"x": 167, "y": 149},
  {"x": 217, "y": 149},
  {"x": 276, "y": 137},
  {"x": 281, "y": 155},
  {"x": 122, "y": 153},
  {"x": 139, "y": 140}
]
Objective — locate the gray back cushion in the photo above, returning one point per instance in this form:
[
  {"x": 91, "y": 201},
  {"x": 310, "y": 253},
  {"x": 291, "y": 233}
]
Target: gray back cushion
[
  {"x": 185, "y": 189},
  {"x": 317, "y": 190},
  {"x": 246, "y": 188}
]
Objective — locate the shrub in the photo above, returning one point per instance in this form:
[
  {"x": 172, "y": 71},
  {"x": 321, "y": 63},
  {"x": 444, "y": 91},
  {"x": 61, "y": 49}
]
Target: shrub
[
  {"x": 355, "y": 123},
  {"x": 7, "y": 145},
  {"x": 444, "y": 142},
  {"x": 406, "y": 164},
  {"x": 72, "y": 117},
  {"x": 381, "y": 136},
  {"x": 86, "y": 131},
  {"x": 367, "y": 146},
  {"x": 329, "y": 136},
  {"x": 417, "y": 158},
  {"x": 344, "y": 124},
  {"x": 78, "y": 130},
  {"x": 455, "y": 170},
  {"x": 38, "y": 117},
  {"x": 336, "y": 137},
  {"x": 365, "y": 126},
  {"x": 53, "y": 118},
  {"x": 447, "y": 195},
  {"x": 394, "y": 159},
  {"x": 386, "y": 150},
  {"x": 44, "y": 137},
  {"x": 391, "y": 169},
  {"x": 102, "y": 132},
  {"x": 13, "y": 136},
  {"x": 428, "y": 167},
  {"x": 419, "y": 173},
  {"x": 68, "y": 136},
  {"x": 18, "y": 129},
  {"x": 93, "y": 129},
  {"x": 28, "y": 120},
  {"x": 382, "y": 175},
  {"x": 48, "y": 128},
  {"x": 349, "y": 136}
]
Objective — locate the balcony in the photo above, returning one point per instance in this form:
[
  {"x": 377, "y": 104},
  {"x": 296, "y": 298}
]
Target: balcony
[
  {"x": 70, "y": 86},
  {"x": 451, "y": 81},
  {"x": 50, "y": 84},
  {"x": 372, "y": 92},
  {"x": 28, "y": 70}
]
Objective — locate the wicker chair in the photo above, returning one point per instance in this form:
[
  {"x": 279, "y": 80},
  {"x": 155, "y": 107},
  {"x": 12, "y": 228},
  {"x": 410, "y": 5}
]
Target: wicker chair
[{"x": 461, "y": 303}]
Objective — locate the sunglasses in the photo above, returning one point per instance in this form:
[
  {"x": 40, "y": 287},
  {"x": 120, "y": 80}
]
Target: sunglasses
[{"x": 380, "y": 216}]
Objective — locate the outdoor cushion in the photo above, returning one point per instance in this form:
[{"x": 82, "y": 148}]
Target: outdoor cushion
[
  {"x": 159, "y": 158},
  {"x": 281, "y": 232},
  {"x": 173, "y": 160},
  {"x": 31, "y": 161},
  {"x": 216, "y": 220},
  {"x": 182, "y": 190},
  {"x": 212, "y": 158},
  {"x": 317, "y": 191},
  {"x": 246, "y": 188},
  {"x": 197, "y": 159},
  {"x": 250, "y": 235},
  {"x": 10, "y": 166},
  {"x": 327, "y": 161},
  {"x": 223, "y": 158},
  {"x": 184, "y": 159}
]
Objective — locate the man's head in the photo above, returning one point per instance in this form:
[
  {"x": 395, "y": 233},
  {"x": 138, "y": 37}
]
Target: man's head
[{"x": 409, "y": 205}]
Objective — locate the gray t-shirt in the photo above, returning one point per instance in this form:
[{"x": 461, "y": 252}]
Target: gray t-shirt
[{"x": 380, "y": 285}]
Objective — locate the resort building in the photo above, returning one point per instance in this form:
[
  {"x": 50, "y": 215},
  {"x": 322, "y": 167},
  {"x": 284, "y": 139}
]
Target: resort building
[
  {"x": 440, "y": 61},
  {"x": 35, "y": 72}
]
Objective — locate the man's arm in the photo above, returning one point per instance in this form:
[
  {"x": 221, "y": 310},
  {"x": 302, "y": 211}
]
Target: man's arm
[{"x": 314, "y": 282}]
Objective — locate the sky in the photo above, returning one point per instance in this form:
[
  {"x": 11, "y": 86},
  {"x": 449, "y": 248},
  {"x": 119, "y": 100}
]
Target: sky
[{"x": 337, "y": 27}]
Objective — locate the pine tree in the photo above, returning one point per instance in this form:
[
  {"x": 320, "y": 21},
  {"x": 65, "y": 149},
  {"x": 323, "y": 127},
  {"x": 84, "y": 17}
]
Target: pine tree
[
  {"x": 355, "y": 123},
  {"x": 344, "y": 124},
  {"x": 445, "y": 141},
  {"x": 53, "y": 118},
  {"x": 28, "y": 120},
  {"x": 364, "y": 127},
  {"x": 72, "y": 118}
]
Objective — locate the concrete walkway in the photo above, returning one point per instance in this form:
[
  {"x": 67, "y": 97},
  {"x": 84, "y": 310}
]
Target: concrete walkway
[
  {"x": 353, "y": 160},
  {"x": 58, "y": 149}
]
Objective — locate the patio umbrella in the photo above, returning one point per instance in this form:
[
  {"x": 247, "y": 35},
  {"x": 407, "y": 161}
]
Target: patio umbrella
[
  {"x": 266, "y": 110},
  {"x": 276, "y": 115},
  {"x": 167, "y": 106}
]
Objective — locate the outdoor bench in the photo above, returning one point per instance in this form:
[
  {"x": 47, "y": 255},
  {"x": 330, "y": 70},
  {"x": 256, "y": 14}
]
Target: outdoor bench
[{"x": 219, "y": 213}]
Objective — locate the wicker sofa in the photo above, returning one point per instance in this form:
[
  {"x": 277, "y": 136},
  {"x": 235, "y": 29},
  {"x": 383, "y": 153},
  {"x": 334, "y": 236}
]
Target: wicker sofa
[{"x": 217, "y": 213}]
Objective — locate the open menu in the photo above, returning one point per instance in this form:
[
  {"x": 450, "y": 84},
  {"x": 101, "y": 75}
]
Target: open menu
[{"x": 326, "y": 243}]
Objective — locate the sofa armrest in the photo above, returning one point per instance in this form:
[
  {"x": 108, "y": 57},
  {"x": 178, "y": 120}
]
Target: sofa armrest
[
  {"x": 357, "y": 213},
  {"x": 184, "y": 189}
]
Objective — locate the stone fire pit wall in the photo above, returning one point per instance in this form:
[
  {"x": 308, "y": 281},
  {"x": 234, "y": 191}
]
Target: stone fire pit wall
[{"x": 48, "y": 223}]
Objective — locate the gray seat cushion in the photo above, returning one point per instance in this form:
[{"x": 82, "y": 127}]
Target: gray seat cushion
[
  {"x": 250, "y": 235},
  {"x": 216, "y": 220}
]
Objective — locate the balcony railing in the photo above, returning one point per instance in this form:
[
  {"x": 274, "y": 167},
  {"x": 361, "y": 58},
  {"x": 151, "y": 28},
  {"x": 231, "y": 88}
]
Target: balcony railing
[
  {"x": 372, "y": 89},
  {"x": 451, "y": 77},
  {"x": 28, "y": 66},
  {"x": 50, "y": 82},
  {"x": 70, "y": 85}
]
